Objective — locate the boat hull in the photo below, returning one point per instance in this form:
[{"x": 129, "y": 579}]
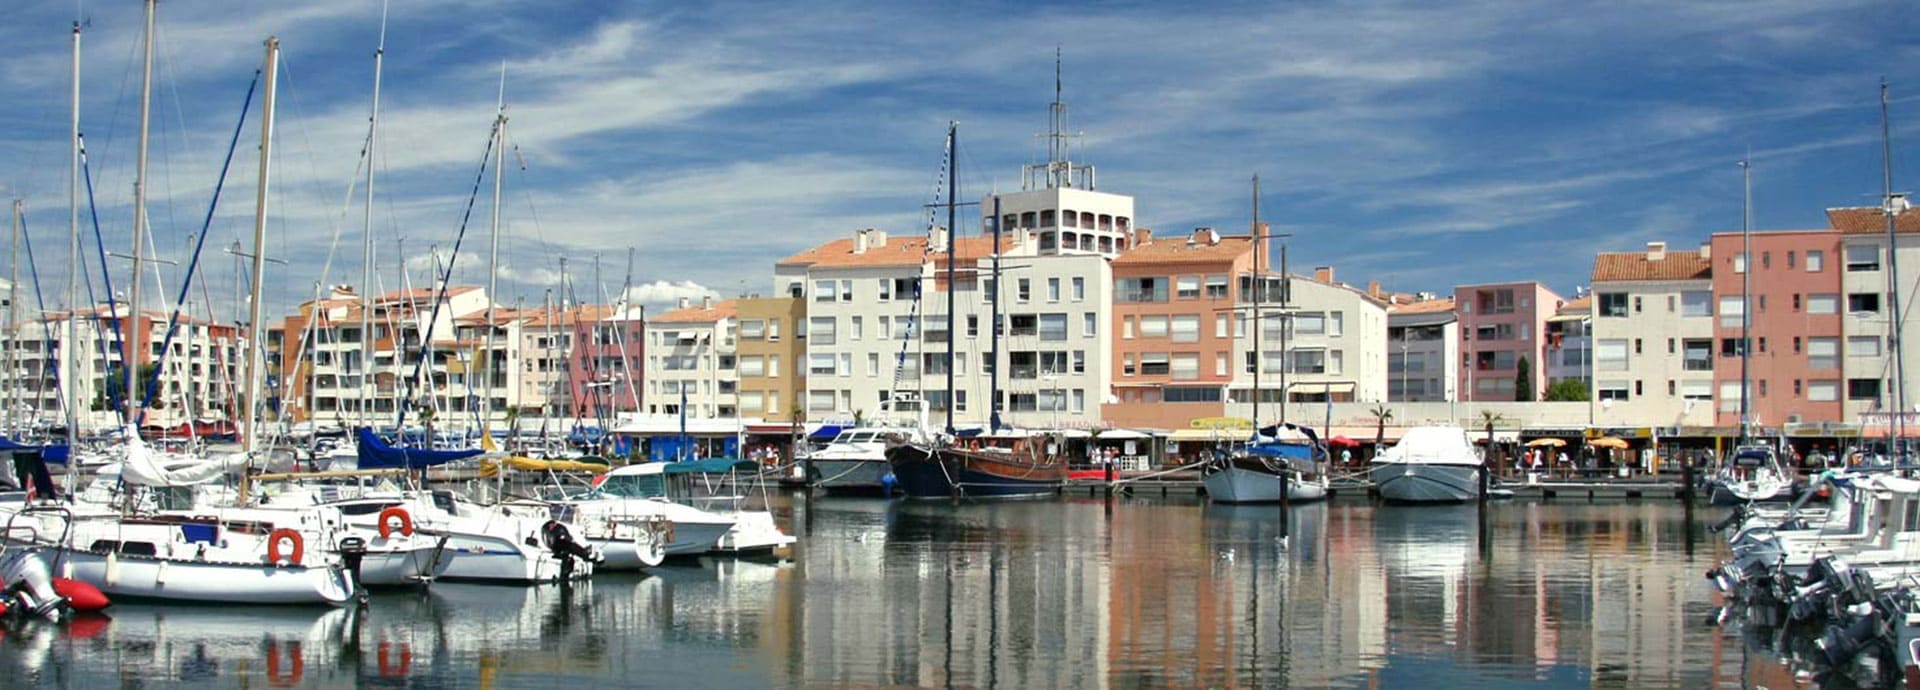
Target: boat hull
[
  {"x": 1727, "y": 493},
  {"x": 851, "y": 476},
  {"x": 400, "y": 567},
  {"x": 1427, "y": 482},
  {"x": 1242, "y": 485},
  {"x": 126, "y": 576},
  {"x": 949, "y": 473}
]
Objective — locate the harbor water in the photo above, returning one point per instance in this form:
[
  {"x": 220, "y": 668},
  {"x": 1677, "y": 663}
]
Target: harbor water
[{"x": 1132, "y": 592}]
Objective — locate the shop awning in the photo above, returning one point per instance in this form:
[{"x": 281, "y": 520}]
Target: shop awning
[{"x": 1208, "y": 435}]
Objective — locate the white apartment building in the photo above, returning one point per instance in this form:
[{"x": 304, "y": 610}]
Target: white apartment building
[
  {"x": 325, "y": 377},
  {"x": 691, "y": 353},
  {"x": 1653, "y": 338},
  {"x": 202, "y": 370},
  {"x": 1422, "y": 359},
  {"x": 1567, "y": 349},
  {"x": 1329, "y": 343},
  {"x": 1867, "y": 326}
]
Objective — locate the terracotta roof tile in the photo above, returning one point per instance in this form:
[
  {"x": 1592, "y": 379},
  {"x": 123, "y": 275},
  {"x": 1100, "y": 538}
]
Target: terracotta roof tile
[
  {"x": 720, "y": 310},
  {"x": 1432, "y": 306},
  {"x": 1176, "y": 250},
  {"x": 1860, "y": 220},
  {"x": 1678, "y": 265},
  {"x": 897, "y": 252},
  {"x": 1577, "y": 304}
]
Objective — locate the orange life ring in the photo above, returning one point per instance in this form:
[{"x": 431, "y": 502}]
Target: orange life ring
[
  {"x": 283, "y": 534},
  {"x": 386, "y": 522},
  {"x": 297, "y": 660}
]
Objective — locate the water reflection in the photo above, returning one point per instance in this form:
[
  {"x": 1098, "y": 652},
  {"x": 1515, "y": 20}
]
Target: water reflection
[{"x": 1079, "y": 593}]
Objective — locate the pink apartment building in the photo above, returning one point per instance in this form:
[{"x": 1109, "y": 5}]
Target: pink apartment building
[{"x": 1501, "y": 324}]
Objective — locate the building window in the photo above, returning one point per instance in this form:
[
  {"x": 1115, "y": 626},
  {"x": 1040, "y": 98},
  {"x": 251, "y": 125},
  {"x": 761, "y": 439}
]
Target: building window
[
  {"x": 1126, "y": 364},
  {"x": 1823, "y": 353},
  {"x": 1610, "y": 355},
  {"x": 1823, "y": 304},
  {"x": 1816, "y": 260},
  {"x": 1140, "y": 290},
  {"x": 1153, "y": 326},
  {"x": 1863, "y": 257},
  {"x": 1863, "y": 303},
  {"x": 973, "y": 325},
  {"x": 1216, "y": 287},
  {"x": 825, "y": 291},
  {"x": 1732, "y": 311},
  {"x": 1023, "y": 289},
  {"x": 1696, "y": 303},
  {"x": 1186, "y": 328},
  {"x": 1863, "y": 389},
  {"x": 1053, "y": 327},
  {"x": 1637, "y": 304},
  {"x": 1187, "y": 287},
  {"x": 1053, "y": 289},
  {"x": 1731, "y": 347},
  {"x": 1790, "y": 256},
  {"x": 1613, "y": 390},
  {"x": 1089, "y": 323},
  {"x": 1698, "y": 355},
  {"x": 1822, "y": 390},
  {"x": 1079, "y": 288},
  {"x": 1613, "y": 304},
  {"x": 1863, "y": 346},
  {"x": 1155, "y": 364},
  {"x": 820, "y": 330}
]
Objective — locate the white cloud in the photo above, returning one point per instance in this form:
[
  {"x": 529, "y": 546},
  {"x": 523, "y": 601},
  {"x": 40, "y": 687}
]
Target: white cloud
[{"x": 663, "y": 295}]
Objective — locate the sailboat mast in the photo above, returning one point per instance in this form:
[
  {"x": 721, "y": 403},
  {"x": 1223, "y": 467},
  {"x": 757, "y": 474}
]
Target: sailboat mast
[
  {"x": 14, "y": 392},
  {"x": 493, "y": 247},
  {"x": 135, "y": 348},
  {"x": 68, "y": 347},
  {"x": 256, "y": 360},
  {"x": 953, "y": 142},
  {"x": 366, "y": 248},
  {"x": 993, "y": 332},
  {"x": 1893, "y": 281},
  {"x": 1259, "y": 284},
  {"x": 1746, "y": 287}
]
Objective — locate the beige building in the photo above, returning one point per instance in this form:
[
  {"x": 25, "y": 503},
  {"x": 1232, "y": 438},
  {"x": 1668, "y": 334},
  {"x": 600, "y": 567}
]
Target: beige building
[
  {"x": 691, "y": 360},
  {"x": 1653, "y": 338},
  {"x": 770, "y": 380}
]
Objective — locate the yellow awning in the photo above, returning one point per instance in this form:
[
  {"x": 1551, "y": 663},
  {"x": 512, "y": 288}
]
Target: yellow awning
[{"x": 1207, "y": 435}]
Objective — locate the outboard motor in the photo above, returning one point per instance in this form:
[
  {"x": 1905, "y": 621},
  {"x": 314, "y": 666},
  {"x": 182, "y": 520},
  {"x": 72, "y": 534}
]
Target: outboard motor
[
  {"x": 28, "y": 587},
  {"x": 353, "y": 550},
  {"x": 560, "y": 541}
]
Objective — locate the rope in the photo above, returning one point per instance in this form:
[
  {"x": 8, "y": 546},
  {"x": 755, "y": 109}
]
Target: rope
[{"x": 1162, "y": 473}]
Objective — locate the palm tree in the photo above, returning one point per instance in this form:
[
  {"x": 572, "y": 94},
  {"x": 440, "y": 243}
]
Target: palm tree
[
  {"x": 1381, "y": 413},
  {"x": 1488, "y": 418},
  {"x": 425, "y": 414}
]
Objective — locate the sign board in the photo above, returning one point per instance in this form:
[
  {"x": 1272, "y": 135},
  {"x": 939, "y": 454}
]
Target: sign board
[{"x": 1231, "y": 423}]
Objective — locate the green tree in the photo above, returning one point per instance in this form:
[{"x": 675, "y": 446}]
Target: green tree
[
  {"x": 113, "y": 393},
  {"x": 1523, "y": 380},
  {"x": 1567, "y": 390}
]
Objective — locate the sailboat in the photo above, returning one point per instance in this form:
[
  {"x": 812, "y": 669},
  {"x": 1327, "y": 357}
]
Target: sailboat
[
  {"x": 1753, "y": 471},
  {"x": 1258, "y": 472},
  {"x": 992, "y": 465}
]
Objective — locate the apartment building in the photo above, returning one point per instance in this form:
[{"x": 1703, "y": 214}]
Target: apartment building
[
  {"x": 691, "y": 360},
  {"x": 1798, "y": 311},
  {"x": 770, "y": 349},
  {"x": 199, "y": 380},
  {"x": 867, "y": 322},
  {"x": 326, "y": 377},
  {"x": 1869, "y": 328},
  {"x": 1175, "y": 312},
  {"x": 606, "y": 365},
  {"x": 1567, "y": 349},
  {"x": 1653, "y": 333},
  {"x": 1422, "y": 362},
  {"x": 1327, "y": 346},
  {"x": 1500, "y": 327}
]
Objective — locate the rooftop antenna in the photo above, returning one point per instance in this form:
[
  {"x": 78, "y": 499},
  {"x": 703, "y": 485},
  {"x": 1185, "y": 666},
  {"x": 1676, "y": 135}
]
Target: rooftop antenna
[{"x": 1058, "y": 170}]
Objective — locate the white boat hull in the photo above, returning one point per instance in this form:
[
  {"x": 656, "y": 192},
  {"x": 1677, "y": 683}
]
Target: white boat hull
[
  {"x": 1426, "y": 482},
  {"x": 119, "y": 575},
  {"x": 1241, "y": 485},
  {"x": 486, "y": 558}
]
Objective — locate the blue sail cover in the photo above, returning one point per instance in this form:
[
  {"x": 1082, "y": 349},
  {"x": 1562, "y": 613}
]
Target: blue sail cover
[
  {"x": 375, "y": 454},
  {"x": 57, "y": 454}
]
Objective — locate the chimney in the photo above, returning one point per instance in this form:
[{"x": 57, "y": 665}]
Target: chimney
[
  {"x": 1142, "y": 236},
  {"x": 1656, "y": 251},
  {"x": 706, "y": 301},
  {"x": 876, "y": 238},
  {"x": 683, "y": 303},
  {"x": 1203, "y": 235},
  {"x": 1373, "y": 288},
  {"x": 860, "y": 241},
  {"x": 1323, "y": 274},
  {"x": 1706, "y": 250},
  {"x": 937, "y": 239}
]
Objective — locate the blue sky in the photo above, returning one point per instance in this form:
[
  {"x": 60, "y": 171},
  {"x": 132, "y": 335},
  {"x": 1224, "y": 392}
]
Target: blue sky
[{"x": 1421, "y": 144}]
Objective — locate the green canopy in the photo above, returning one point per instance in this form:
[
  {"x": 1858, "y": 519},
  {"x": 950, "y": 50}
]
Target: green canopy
[{"x": 710, "y": 466}]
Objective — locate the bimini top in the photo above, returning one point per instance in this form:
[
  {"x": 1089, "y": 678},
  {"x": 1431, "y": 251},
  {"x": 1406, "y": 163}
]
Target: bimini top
[
  {"x": 701, "y": 466},
  {"x": 375, "y": 454}
]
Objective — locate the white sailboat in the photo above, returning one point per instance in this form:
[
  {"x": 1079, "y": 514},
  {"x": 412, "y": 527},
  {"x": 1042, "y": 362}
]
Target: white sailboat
[{"x": 1753, "y": 472}]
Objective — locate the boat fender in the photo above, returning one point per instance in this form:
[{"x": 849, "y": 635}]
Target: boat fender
[
  {"x": 887, "y": 482},
  {"x": 81, "y": 596},
  {"x": 389, "y": 516},
  {"x": 295, "y": 551}
]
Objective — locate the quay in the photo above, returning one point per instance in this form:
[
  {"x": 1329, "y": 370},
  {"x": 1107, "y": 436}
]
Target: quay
[{"x": 1187, "y": 482}]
